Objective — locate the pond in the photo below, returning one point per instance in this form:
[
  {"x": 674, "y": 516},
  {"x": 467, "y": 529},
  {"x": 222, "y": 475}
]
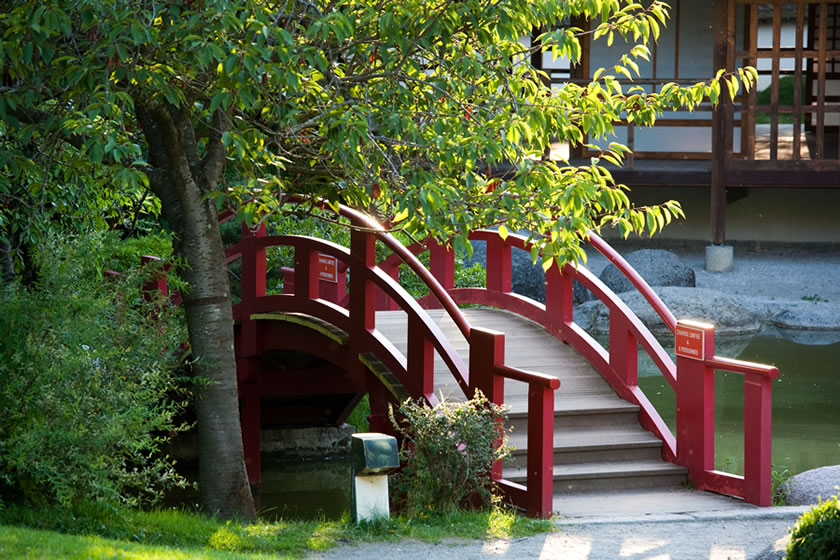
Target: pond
[{"x": 806, "y": 401}]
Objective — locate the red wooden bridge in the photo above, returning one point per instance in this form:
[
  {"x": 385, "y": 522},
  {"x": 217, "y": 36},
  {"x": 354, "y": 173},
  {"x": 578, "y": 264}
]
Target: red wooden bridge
[{"x": 579, "y": 418}]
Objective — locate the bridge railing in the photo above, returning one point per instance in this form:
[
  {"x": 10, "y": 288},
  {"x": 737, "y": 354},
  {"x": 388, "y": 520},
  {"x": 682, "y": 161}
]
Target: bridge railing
[
  {"x": 694, "y": 445},
  {"x": 353, "y": 311}
]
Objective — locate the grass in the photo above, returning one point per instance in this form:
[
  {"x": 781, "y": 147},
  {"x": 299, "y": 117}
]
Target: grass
[
  {"x": 98, "y": 532},
  {"x": 786, "y": 84}
]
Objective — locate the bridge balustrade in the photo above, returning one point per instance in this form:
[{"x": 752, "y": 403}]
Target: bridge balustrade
[
  {"x": 692, "y": 380},
  {"x": 353, "y": 311},
  {"x": 374, "y": 286}
]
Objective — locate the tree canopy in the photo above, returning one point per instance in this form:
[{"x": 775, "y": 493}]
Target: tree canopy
[{"x": 406, "y": 109}]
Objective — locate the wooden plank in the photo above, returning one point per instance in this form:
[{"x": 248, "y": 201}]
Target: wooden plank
[
  {"x": 774, "y": 84},
  {"x": 821, "y": 61},
  {"x": 722, "y": 20},
  {"x": 748, "y": 115},
  {"x": 797, "y": 81}
]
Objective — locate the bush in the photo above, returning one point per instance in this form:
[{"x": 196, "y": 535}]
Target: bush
[
  {"x": 89, "y": 391},
  {"x": 447, "y": 454},
  {"x": 816, "y": 535}
]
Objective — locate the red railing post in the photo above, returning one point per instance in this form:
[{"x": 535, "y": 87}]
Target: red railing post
[
  {"x": 498, "y": 265},
  {"x": 540, "y": 450},
  {"x": 334, "y": 291},
  {"x": 758, "y": 400},
  {"x": 420, "y": 357},
  {"x": 624, "y": 351},
  {"x": 695, "y": 400},
  {"x": 362, "y": 290},
  {"x": 559, "y": 298},
  {"x": 487, "y": 350},
  {"x": 442, "y": 264},
  {"x": 252, "y": 287}
]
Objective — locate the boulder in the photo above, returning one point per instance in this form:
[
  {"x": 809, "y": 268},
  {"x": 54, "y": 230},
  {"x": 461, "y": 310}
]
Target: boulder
[
  {"x": 724, "y": 311},
  {"x": 809, "y": 487},
  {"x": 656, "y": 266},
  {"x": 809, "y": 316}
]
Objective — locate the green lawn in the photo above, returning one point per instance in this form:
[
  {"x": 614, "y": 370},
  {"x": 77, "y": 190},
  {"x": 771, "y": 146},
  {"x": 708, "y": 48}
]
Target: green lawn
[
  {"x": 17, "y": 542},
  {"x": 92, "y": 532}
]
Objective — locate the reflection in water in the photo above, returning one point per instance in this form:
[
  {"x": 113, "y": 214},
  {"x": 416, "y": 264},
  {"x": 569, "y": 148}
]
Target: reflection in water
[
  {"x": 304, "y": 490},
  {"x": 806, "y": 403}
]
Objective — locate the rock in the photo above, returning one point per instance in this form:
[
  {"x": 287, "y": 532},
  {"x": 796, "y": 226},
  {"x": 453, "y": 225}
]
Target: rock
[
  {"x": 656, "y": 266},
  {"x": 728, "y": 316},
  {"x": 809, "y": 487},
  {"x": 809, "y": 316}
]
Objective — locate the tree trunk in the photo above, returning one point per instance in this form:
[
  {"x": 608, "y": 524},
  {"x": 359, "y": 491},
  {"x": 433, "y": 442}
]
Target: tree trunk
[
  {"x": 183, "y": 182},
  {"x": 223, "y": 481}
]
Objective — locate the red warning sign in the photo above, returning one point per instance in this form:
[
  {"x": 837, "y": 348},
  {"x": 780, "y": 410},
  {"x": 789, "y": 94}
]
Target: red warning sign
[
  {"x": 690, "y": 341},
  {"x": 327, "y": 268}
]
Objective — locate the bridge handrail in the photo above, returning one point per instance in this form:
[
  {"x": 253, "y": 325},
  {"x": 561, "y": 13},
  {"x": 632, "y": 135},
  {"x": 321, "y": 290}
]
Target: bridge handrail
[
  {"x": 619, "y": 365},
  {"x": 743, "y": 367},
  {"x": 638, "y": 282}
]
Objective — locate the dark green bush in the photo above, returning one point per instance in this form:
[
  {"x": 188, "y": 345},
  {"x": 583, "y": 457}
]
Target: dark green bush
[
  {"x": 816, "y": 535},
  {"x": 88, "y": 388},
  {"x": 447, "y": 454}
]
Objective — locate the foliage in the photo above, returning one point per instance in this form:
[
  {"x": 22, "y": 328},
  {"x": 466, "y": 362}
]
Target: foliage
[
  {"x": 448, "y": 452},
  {"x": 359, "y": 417},
  {"x": 88, "y": 389},
  {"x": 786, "y": 92},
  {"x": 406, "y": 110},
  {"x": 816, "y": 535},
  {"x": 778, "y": 489},
  {"x": 208, "y": 537},
  {"x": 466, "y": 276},
  {"x": 396, "y": 107}
]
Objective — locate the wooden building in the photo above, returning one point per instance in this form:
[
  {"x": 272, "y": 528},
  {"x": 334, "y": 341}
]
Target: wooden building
[{"x": 787, "y": 139}]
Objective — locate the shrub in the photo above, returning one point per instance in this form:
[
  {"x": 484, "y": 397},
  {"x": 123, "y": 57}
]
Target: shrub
[
  {"x": 88, "y": 390},
  {"x": 816, "y": 535},
  {"x": 447, "y": 453}
]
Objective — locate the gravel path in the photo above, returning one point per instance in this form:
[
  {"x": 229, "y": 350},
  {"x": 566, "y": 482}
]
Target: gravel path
[{"x": 673, "y": 537}]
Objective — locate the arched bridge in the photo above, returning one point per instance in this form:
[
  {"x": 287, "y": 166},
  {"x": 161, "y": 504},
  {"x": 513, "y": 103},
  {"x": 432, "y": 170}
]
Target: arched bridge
[{"x": 579, "y": 418}]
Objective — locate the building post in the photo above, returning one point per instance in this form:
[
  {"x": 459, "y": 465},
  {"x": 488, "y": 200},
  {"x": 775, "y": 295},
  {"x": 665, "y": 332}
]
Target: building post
[{"x": 718, "y": 255}]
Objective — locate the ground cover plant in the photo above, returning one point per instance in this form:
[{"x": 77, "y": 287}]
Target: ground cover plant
[{"x": 52, "y": 532}]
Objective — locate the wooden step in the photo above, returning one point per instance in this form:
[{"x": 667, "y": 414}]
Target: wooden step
[
  {"x": 608, "y": 476},
  {"x": 590, "y": 446},
  {"x": 598, "y": 442}
]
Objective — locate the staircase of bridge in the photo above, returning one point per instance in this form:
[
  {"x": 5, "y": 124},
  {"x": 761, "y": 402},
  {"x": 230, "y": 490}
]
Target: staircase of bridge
[{"x": 579, "y": 417}]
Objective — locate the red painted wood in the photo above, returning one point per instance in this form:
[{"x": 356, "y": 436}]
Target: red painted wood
[
  {"x": 623, "y": 351},
  {"x": 420, "y": 358},
  {"x": 498, "y": 265},
  {"x": 487, "y": 350},
  {"x": 442, "y": 264},
  {"x": 695, "y": 419},
  {"x": 374, "y": 287},
  {"x": 540, "y": 450},
  {"x": 758, "y": 397}
]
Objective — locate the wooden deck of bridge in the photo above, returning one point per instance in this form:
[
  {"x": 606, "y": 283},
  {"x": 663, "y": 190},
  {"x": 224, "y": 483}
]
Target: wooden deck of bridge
[{"x": 527, "y": 346}]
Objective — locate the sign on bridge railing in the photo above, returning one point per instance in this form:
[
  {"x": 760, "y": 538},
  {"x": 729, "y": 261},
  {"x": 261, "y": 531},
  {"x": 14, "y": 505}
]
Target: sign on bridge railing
[{"x": 690, "y": 339}]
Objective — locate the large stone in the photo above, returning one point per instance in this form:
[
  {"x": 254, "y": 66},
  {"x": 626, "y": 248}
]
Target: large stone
[
  {"x": 722, "y": 310},
  {"x": 656, "y": 266},
  {"x": 809, "y": 487},
  {"x": 806, "y": 315}
]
